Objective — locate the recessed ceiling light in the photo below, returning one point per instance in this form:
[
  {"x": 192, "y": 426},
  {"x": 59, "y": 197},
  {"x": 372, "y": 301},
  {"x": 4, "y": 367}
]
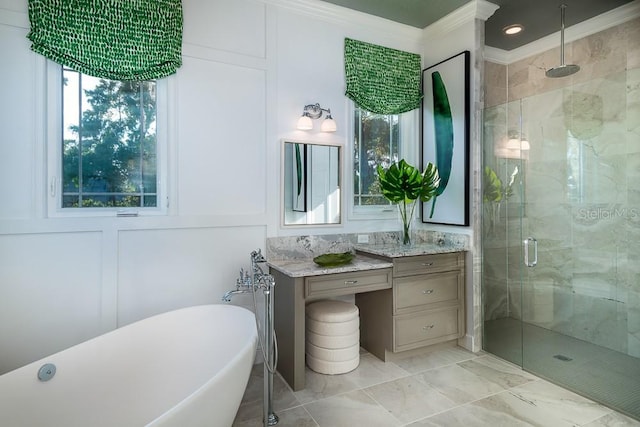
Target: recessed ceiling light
[{"x": 512, "y": 29}]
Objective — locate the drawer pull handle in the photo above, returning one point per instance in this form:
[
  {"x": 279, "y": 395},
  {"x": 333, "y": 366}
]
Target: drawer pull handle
[
  {"x": 350, "y": 282},
  {"x": 427, "y": 291},
  {"x": 427, "y": 264},
  {"x": 427, "y": 327}
]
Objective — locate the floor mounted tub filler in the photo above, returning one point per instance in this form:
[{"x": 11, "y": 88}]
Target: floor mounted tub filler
[{"x": 187, "y": 367}]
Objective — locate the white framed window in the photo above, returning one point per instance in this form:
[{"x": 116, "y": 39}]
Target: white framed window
[
  {"x": 378, "y": 139},
  {"x": 106, "y": 149}
]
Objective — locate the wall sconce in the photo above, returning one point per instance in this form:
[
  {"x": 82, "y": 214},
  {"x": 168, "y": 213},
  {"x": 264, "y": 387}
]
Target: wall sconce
[
  {"x": 517, "y": 141},
  {"x": 314, "y": 111},
  {"x": 514, "y": 146}
]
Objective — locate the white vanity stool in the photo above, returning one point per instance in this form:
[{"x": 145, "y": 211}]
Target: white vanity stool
[{"x": 333, "y": 337}]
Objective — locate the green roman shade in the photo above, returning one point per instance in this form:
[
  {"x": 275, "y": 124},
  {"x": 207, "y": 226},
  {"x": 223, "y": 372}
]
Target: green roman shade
[
  {"x": 380, "y": 79},
  {"x": 112, "y": 39}
]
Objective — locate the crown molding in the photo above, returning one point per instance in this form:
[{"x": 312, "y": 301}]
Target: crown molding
[
  {"x": 499, "y": 56},
  {"x": 341, "y": 15},
  {"x": 475, "y": 9},
  {"x": 485, "y": 9},
  {"x": 586, "y": 28}
]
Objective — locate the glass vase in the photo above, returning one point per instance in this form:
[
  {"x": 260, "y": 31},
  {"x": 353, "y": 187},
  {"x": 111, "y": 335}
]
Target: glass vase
[{"x": 406, "y": 210}]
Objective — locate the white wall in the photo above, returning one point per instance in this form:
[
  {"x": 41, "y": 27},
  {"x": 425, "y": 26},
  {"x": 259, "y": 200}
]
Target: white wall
[{"x": 249, "y": 68}]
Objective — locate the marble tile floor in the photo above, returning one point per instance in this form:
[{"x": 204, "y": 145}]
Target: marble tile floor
[{"x": 448, "y": 386}]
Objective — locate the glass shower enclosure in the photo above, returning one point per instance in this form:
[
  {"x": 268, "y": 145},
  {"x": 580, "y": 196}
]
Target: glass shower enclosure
[{"x": 561, "y": 234}]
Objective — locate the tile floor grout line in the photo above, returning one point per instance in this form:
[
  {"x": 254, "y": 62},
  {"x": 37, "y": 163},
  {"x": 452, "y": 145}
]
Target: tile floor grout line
[
  {"x": 310, "y": 416},
  {"x": 459, "y": 406},
  {"x": 382, "y": 406},
  {"x": 441, "y": 366}
]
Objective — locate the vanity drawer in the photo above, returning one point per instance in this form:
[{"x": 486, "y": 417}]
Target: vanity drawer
[
  {"x": 415, "y": 292},
  {"x": 425, "y": 328},
  {"x": 427, "y": 264},
  {"x": 332, "y": 285}
]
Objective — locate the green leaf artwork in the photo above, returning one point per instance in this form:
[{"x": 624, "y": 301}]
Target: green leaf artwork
[
  {"x": 298, "y": 168},
  {"x": 443, "y": 124}
]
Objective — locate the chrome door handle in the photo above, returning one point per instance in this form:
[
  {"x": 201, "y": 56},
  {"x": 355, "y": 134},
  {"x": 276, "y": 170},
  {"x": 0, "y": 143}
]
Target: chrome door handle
[{"x": 526, "y": 242}]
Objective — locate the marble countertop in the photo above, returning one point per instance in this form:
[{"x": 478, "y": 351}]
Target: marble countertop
[
  {"x": 306, "y": 267},
  {"x": 397, "y": 251}
]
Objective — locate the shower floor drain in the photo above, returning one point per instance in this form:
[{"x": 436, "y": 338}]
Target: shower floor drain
[{"x": 562, "y": 357}]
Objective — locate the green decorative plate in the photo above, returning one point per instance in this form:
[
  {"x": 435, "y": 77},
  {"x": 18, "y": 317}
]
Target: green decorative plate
[{"x": 333, "y": 260}]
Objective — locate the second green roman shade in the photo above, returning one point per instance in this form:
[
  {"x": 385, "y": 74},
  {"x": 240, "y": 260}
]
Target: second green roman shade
[{"x": 380, "y": 79}]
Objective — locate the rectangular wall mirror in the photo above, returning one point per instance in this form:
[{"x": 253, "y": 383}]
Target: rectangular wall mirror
[{"x": 311, "y": 180}]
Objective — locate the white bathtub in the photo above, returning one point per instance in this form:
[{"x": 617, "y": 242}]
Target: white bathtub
[{"x": 187, "y": 367}]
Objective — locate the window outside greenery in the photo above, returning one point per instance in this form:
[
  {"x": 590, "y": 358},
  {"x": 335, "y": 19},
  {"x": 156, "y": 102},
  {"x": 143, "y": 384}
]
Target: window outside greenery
[
  {"x": 376, "y": 141},
  {"x": 109, "y": 142}
]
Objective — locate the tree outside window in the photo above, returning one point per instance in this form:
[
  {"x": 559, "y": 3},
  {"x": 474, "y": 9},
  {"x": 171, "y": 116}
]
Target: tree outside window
[
  {"x": 109, "y": 142},
  {"x": 376, "y": 141}
]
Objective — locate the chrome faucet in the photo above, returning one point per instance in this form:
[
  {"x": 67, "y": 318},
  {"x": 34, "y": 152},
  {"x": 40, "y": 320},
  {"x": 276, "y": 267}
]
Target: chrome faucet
[
  {"x": 246, "y": 283},
  {"x": 243, "y": 285},
  {"x": 227, "y": 295}
]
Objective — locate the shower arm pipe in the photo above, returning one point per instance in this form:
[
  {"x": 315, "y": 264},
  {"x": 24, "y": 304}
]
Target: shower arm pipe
[{"x": 562, "y": 8}]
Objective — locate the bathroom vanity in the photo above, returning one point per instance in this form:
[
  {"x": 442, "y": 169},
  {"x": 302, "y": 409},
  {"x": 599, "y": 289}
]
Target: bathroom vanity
[
  {"x": 408, "y": 297},
  {"x": 425, "y": 305}
]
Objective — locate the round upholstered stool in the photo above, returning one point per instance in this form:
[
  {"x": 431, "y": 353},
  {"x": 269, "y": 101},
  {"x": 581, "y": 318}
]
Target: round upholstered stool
[{"x": 333, "y": 337}]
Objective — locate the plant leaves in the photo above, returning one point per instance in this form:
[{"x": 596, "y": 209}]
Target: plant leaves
[
  {"x": 492, "y": 186},
  {"x": 404, "y": 183},
  {"x": 443, "y": 125}
]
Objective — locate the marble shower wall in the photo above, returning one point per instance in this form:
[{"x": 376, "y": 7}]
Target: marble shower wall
[{"x": 581, "y": 179}]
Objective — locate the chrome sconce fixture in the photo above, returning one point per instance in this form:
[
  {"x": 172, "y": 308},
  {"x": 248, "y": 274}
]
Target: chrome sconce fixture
[
  {"x": 514, "y": 145},
  {"x": 517, "y": 141},
  {"x": 314, "y": 111}
]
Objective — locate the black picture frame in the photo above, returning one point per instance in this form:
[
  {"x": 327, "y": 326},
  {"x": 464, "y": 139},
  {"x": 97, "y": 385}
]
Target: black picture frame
[{"x": 444, "y": 133}]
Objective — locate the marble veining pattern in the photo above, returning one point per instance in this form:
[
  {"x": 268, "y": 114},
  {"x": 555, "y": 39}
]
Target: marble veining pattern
[
  {"x": 308, "y": 247},
  {"x": 446, "y": 386}
]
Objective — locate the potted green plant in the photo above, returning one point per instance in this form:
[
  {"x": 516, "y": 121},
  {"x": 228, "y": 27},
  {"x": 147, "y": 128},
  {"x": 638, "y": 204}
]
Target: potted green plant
[{"x": 403, "y": 184}]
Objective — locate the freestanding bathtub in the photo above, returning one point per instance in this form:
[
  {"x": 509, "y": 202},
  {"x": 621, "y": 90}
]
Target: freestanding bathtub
[{"x": 187, "y": 367}]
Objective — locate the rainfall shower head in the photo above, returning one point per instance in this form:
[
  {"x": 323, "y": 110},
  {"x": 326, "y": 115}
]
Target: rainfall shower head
[{"x": 563, "y": 69}]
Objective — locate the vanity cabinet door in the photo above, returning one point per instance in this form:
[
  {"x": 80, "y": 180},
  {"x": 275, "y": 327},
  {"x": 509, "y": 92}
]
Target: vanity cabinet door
[{"x": 425, "y": 328}]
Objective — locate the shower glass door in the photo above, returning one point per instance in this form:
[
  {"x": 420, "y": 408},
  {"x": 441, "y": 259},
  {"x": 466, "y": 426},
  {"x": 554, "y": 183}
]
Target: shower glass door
[
  {"x": 503, "y": 224},
  {"x": 562, "y": 171}
]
